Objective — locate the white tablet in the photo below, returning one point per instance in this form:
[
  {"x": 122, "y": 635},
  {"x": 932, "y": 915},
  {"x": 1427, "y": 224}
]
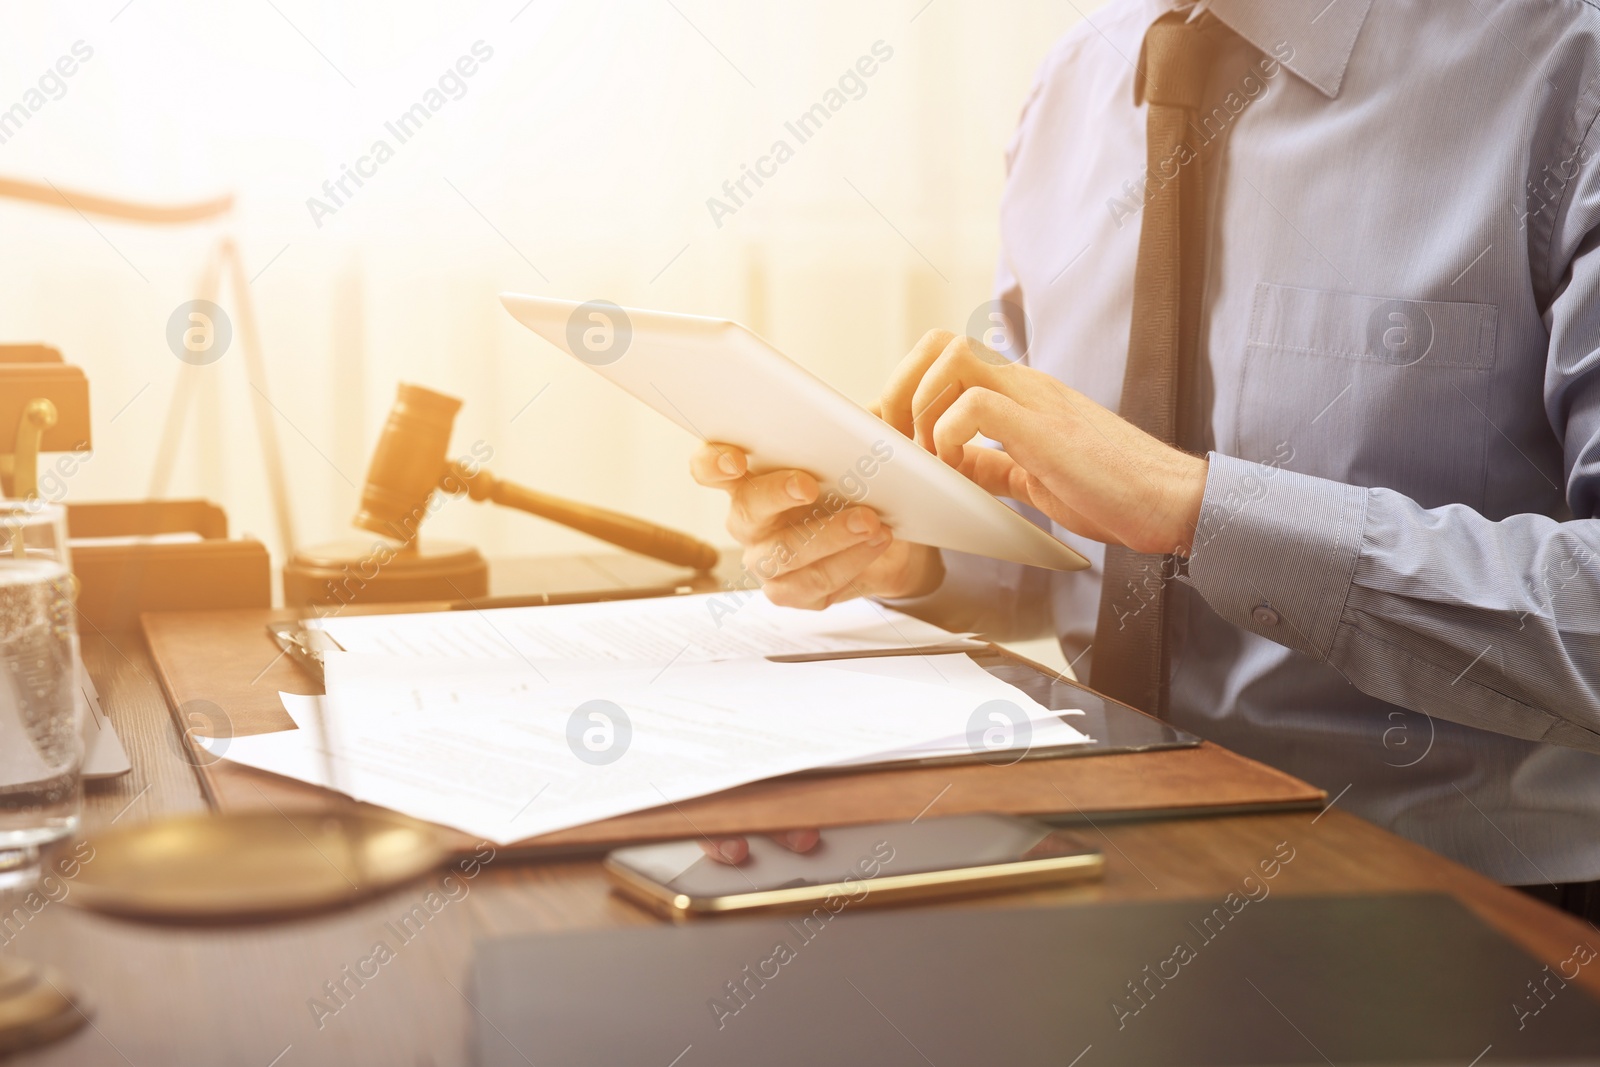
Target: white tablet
[{"x": 721, "y": 382}]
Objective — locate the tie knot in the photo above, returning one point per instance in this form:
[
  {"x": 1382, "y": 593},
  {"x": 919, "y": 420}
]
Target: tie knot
[{"x": 1173, "y": 69}]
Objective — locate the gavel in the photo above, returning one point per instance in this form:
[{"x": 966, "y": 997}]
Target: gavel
[{"x": 411, "y": 462}]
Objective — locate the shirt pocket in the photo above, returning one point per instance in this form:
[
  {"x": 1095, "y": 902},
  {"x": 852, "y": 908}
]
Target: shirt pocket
[{"x": 1369, "y": 391}]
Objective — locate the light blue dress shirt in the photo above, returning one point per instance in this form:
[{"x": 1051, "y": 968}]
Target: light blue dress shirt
[{"x": 1395, "y": 588}]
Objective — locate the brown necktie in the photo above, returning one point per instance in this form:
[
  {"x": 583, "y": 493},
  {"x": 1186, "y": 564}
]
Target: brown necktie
[{"x": 1162, "y": 344}]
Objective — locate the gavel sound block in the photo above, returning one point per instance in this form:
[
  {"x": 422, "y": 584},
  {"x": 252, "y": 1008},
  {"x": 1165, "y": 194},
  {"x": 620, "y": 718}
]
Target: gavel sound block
[{"x": 410, "y": 468}]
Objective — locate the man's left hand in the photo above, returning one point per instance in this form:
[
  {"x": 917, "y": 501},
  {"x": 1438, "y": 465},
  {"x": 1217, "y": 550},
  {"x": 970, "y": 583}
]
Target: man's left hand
[{"x": 1087, "y": 468}]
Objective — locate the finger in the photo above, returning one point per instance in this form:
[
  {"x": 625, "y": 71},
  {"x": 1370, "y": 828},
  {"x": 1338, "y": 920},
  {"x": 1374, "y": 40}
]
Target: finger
[
  {"x": 804, "y": 542},
  {"x": 717, "y": 465},
  {"x": 961, "y": 366},
  {"x": 731, "y": 851},
  {"x": 894, "y": 405},
  {"x": 798, "y": 840},
  {"x": 760, "y": 501},
  {"x": 1000, "y": 474},
  {"x": 827, "y": 581},
  {"x": 976, "y": 411},
  {"x": 995, "y": 471}
]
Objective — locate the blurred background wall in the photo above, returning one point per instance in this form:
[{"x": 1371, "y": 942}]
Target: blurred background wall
[{"x": 576, "y": 161}]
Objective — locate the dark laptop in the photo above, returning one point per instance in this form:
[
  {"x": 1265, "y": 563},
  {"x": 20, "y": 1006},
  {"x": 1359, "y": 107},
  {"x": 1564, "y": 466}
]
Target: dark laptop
[{"x": 1407, "y": 979}]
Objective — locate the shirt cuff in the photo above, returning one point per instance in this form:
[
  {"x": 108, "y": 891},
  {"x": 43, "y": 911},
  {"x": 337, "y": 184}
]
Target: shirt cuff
[
  {"x": 957, "y": 592},
  {"x": 1275, "y": 551},
  {"x": 971, "y": 583}
]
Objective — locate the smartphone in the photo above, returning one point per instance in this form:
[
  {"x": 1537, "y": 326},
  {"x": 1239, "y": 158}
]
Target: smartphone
[{"x": 875, "y": 863}]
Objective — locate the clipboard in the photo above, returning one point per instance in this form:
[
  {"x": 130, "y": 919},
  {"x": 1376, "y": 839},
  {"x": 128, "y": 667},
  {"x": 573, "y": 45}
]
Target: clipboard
[
  {"x": 1115, "y": 727},
  {"x": 224, "y": 666}
]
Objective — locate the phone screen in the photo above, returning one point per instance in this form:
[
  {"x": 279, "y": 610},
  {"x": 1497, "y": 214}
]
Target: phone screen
[{"x": 852, "y": 854}]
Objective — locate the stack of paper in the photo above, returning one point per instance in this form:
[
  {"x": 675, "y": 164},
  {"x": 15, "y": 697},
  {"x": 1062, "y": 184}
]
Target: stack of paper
[
  {"x": 505, "y": 740},
  {"x": 694, "y": 629}
]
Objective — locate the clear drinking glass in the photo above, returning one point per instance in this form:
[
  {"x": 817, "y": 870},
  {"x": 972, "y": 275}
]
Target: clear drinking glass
[{"x": 41, "y": 738}]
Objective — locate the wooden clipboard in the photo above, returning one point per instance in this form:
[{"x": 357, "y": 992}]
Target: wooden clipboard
[{"x": 222, "y": 674}]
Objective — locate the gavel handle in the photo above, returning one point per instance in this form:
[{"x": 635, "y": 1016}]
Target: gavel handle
[{"x": 624, "y": 531}]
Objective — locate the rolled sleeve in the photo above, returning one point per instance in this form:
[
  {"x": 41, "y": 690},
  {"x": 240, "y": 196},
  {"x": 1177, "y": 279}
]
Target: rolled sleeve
[{"x": 1275, "y": 552}]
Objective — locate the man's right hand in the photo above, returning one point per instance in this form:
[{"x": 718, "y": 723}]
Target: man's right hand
[{"x": 803, "y": 554}]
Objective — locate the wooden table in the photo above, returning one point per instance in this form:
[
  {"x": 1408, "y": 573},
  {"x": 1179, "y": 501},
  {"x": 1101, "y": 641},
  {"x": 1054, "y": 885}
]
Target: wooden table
[{"x": 164, "y": 995}]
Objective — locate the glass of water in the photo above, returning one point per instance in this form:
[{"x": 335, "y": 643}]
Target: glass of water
[{"x": 41, "y": 737}]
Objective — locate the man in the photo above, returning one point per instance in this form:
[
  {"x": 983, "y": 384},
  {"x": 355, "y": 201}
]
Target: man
[{"x": 1337, "y": 265}]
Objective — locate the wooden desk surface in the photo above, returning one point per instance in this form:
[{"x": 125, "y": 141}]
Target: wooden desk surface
[{"x": 165, "y": 995}]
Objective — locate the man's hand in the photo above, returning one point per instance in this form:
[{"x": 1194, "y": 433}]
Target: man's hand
[
  {"x": 1087, "y": 468},
  {"x": 804, "y": 554}
]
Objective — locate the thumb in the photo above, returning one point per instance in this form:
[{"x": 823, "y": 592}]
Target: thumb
[{"x": 994, "y": 470}]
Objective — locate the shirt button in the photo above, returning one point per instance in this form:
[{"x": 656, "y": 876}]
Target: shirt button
[{"x": 1264, "y": 615}]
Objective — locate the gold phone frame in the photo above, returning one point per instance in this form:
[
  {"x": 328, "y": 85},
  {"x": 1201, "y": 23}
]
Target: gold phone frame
[{"x": 884, "y": 889}]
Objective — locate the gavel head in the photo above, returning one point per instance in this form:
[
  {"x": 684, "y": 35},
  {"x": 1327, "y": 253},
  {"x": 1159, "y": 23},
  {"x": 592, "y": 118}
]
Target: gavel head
[{"x": 408, "y": 464}]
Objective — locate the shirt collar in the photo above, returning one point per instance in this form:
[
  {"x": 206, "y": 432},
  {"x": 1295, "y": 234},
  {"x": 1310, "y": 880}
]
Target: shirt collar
[{"x": 1321, "y": 33}]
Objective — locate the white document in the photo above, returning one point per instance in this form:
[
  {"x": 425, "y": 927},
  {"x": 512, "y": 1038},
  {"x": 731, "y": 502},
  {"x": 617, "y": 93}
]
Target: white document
[
  {"x": 705, "y": 375},
  {"x": 505, "y": 752},
  {"x": 996, "y": 733},
  {"x": 1040, "y": 733},
  {"x": 683, "y": 629}
]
